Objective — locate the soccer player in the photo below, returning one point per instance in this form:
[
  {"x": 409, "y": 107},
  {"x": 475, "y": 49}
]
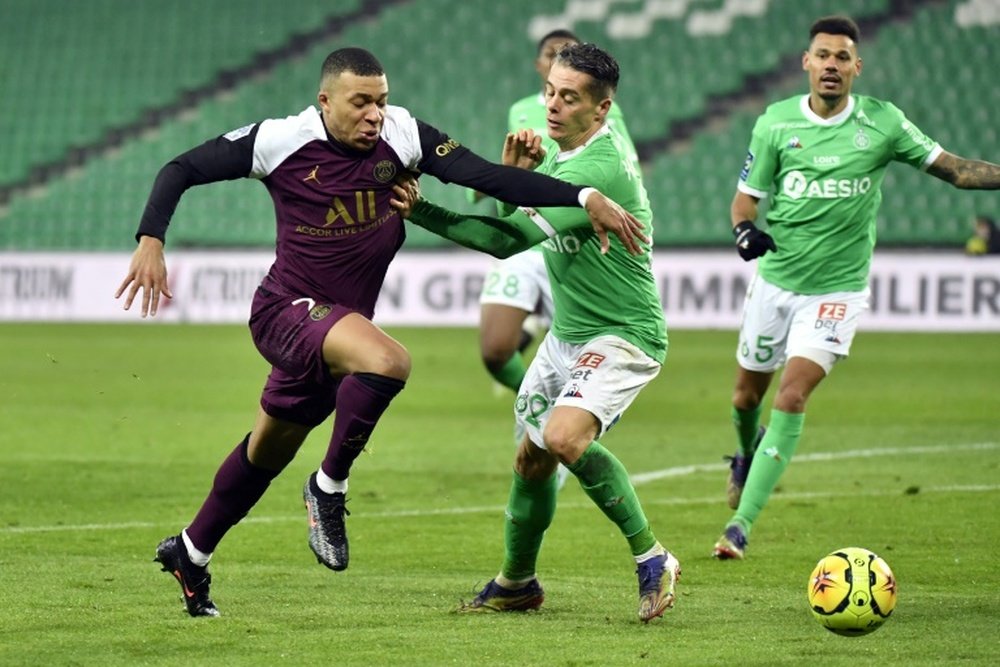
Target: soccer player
[
  {"x": 331, "y": 175},
  {"x": 608, "y": 337},
  {"x": 518, "y": 286},
  {"x": 825, "y": 154}
]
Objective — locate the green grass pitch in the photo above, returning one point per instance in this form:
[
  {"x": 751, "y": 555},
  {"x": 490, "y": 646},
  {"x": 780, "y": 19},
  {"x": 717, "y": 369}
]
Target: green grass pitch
[{"x": 110, "y": 437}]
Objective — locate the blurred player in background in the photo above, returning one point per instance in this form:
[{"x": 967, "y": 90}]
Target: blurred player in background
[
  {"x": 608, "y": 338},
  {"x": 825, "y": 155},
  {"x": 985, "y": 239},
  {"x": 516, "y": 300},
  {"x": 330, "y": 173}
]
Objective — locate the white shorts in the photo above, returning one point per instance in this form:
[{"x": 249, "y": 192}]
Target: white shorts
[
  {"x": 602, "y": 376},
  {"x": 520, "y": 281},
  {"x": 778, "y": 324}
]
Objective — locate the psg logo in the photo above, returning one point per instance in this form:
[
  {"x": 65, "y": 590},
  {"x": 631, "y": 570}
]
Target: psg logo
[{"x": 384, "y": 171}]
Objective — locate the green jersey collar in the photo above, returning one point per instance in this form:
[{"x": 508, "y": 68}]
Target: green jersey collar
[{"x": 569, "y": 155}]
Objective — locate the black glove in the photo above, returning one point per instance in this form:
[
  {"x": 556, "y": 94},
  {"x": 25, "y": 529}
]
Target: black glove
[{"x": 751, "y": 242}]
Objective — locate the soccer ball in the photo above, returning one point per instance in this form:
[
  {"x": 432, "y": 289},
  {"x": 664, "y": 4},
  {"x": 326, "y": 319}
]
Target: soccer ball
[{"x": 852, "y": 592}]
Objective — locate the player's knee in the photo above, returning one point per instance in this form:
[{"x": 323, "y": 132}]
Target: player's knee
[
  {"x": 747, "y": 396},
  {"x": 495, "y": 357},
  {"x": 564, "y": 442},
  {"x": 750, "y": 388},
  {"x": 534, "y": 463},
  {"x": 791, "y": 399},
  {"x": 393, "y": 362}
]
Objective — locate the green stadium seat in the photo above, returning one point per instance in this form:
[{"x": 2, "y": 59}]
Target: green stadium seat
[{"x": 462, "y": 80}]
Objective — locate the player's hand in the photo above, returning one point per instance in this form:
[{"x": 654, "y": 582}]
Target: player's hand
[
  {"x": 522, "y": 149},
  {"x": 607, "y": 216},
  {"x": 752, "y": 242},
  {"x": 148, "y": 272},
  {"x": 407, "y": 193}
]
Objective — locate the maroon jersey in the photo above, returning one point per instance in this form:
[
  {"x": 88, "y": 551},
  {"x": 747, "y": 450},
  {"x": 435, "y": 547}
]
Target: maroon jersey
[{"x": 336, "y": 232}]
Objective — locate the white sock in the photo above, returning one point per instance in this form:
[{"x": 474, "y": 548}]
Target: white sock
[
  {"x": 328, "y": 484},
  {"x": 657, "y": 550},
  {"x": 199, "y": 558},
  {"x": 511, "y": 584}
]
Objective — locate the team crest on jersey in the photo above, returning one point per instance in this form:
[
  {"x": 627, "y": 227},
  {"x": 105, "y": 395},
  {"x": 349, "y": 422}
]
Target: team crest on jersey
[
  {"x": 794, "y": 142},
  {"x": 861, "y": 140},
  {"x": 316, "y": 313},
  {"x": 384, "y": 171}
]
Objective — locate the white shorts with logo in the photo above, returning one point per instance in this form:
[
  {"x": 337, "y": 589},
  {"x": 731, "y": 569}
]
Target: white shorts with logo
[
  {"x": 602, "y": 376},
  {"x": 520, "y": 281},
  {"x": 778, "y": 324}
]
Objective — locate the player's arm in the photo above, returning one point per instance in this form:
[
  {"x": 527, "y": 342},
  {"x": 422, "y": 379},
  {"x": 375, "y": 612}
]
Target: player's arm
[
  {"x": 451, "y": 162},
  {"x": 759, "y": 170},
  {"x": 965, "y": 174},
  {"x": 220, "y": 159},
  {"x": 500, "y": 237}
]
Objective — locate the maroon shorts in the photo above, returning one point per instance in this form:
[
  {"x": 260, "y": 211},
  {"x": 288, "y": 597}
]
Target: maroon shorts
[{"x": 288, "y": 330}]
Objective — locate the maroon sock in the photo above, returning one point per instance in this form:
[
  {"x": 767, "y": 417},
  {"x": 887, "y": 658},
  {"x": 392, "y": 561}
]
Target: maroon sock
[
  {"x": 361, "y": 400},
  {"x": 237, "y": 487}
]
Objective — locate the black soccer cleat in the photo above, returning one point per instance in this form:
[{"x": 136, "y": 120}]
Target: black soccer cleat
[
  {"x": 327, "y": 533},
  {"x": 194, "y": 580}
]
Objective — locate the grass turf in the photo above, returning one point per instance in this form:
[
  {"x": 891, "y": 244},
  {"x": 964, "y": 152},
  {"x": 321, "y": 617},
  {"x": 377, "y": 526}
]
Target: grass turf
[{"x": 111, "y": 436}]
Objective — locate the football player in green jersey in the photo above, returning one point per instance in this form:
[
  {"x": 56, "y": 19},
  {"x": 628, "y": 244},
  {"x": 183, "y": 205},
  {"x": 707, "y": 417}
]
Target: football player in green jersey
[
  {"x": 607, "y": 341},
  {"x": 516, "y": 300},
  {"x": 824, "y": 156},
  {"x": 518, "y": 286}
]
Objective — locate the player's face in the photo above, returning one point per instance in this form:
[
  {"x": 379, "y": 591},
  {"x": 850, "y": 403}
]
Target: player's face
[
  {"x": 832, "y": 63},
  {"x": 354, "y": 108},
  {"x": 572, "y": 114},
  {"x": 550, "y": 49}
]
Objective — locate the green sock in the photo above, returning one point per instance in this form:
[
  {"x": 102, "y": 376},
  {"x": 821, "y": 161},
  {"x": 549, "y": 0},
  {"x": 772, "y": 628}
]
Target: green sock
[
  {"x": 530, "y": 509},
  {"x": 512, "y": 372},
  {"x": 771, "y": 459},
  {"x": 747, "y": 422},
  {"x": 605, "y": 480}
]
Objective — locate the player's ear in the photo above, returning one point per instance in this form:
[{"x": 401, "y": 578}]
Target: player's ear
[
  {"x": 604, "y": 107},
  {"x": 857, "y": 67},
  {"x": 805, "y": 60}
]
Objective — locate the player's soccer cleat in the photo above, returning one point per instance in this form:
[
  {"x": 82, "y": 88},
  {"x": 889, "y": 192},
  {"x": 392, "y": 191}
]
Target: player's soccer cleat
[
  {"x": 658, "y": 579},
  {"x": 739, "y": 468},
  {"x": 732, "y": 545},
  {"x": 327, "y": 533},
  {"x": 495, "y": 597},
  {"x": 194, "y": 580}
]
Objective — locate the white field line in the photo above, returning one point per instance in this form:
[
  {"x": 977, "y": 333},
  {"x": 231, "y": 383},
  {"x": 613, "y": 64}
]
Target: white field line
[
  {"x": 638, "y": 479},
  {"x": 679, "y": 471}
]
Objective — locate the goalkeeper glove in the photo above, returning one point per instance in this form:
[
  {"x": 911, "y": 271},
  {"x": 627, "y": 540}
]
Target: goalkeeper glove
[{"x": 751, "y": 242}]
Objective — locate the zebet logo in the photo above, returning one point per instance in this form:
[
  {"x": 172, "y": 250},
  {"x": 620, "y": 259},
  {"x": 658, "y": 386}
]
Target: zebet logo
[
  {"x": 796, "y": 185},
  {"x": 827, "y": 318}
]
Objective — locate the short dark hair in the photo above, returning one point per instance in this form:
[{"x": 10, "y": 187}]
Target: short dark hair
[
  {"x": 560, "y": 33},
  {"x": 351, "y": 59},
  {"x": 836, "y": 25},
  {"x": 598, "y": 63}
]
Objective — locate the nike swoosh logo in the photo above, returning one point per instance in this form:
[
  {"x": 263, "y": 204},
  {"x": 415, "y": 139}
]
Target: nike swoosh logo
[
  {"x": 187, "y": 591},
  {"x": 312, "y": 521}
]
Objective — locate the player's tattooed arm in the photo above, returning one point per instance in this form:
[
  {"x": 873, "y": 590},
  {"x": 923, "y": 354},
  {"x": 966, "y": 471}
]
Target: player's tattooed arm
[{"x": 966, "y": 174}]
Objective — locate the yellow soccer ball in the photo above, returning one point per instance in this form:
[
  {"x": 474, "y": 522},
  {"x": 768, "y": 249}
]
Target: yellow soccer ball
[{"x": 852, "y": 592}]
